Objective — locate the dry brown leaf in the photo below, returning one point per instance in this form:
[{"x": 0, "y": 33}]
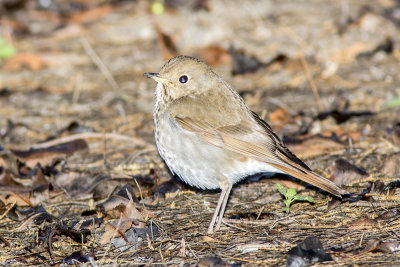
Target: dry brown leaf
[
  {"x": 72, "y": 30},
  {"x": 91, "y": 14},
  {"x": 349, "y": 54},
  {"x": 129, "y": 216},
  {"x": 114, "y": 230},
  {"x": 20, "y": 199},
  {"x": 314, "y": 146},
  {"x": 389, "y": 215},
  {"x": 343, "y": 172},
  {"x": 6, "y": 179},
  {"x": 45, "y": 156},
  {"x": 279, "y": 118},
  {"x": 78, "y": 184},
  {"x": 391, "y": 166},
  {"x": 389, "y": 247},
  {"x": 362, "y": 223},
  {"x": 372, "y": 244},
  {"x": 21, "y": 60},
  {"x": 214, "y": 55},
  {"x": 165, "y": 43}
]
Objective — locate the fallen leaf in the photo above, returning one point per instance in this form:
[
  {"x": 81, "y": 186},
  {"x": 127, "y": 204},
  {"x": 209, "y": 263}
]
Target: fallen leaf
[
  {"x": 91, "y": 224},
  {"x": 122, "y": 206},
  {"x": 165, "y": 43},
  {"x": 6, "y": 179},
  {"x": 343, "y": 172},
  {"x": 45, "y": 156},
  {"x": 31, "y": 216},
  {"x": 91, "y": 14},
  {"x": 115, "y": 229},
  {"x": 202, "y": 5},
  {"x": 135, "y": 238},
  {"x": 391, "y": 166},
  {"x": 386, "y": 46},
  {"x": 214, "y": 55},
  {"x": 362, "y": 223},
  {"x": 77, "y": 184},
  {"x": 372, "y": 244},
  {"x": 279, "y": 118},
  {"x": 389, "y": 215},
  {"x": 166, "y": 187},
  {"x": 389, "y": 247},
  {"x": 313, "y": 146},
  {"x": 21, "y": 60},
  {"x": 117, "y": 203}
]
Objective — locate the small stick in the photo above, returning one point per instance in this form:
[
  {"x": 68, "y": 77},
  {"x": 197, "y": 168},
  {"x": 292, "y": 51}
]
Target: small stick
[
  {"x": 99, "y": 63},
  {"x": 70, "y": 138},
  {"x": 311, "y": 81}
]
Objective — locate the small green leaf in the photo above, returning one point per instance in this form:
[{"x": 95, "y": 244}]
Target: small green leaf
[
  {"x": 309, "y": 199},
  {"x": 393, "y": 103},
  {"x": 305, "y": 198},
  {"x": 6, "y": 50},
  {"x": 291, "y": 193},
  {"x": 281, "y": 189}
]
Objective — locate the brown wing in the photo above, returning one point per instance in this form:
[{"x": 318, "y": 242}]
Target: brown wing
[{"x": 251, "y": 136}]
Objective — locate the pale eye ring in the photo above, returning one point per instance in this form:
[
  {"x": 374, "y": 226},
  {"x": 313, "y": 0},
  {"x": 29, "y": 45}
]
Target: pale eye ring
[{"x": 183, "y": 79}]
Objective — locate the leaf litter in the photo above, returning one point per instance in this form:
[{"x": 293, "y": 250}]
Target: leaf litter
[{"x": 80, "y": 178}]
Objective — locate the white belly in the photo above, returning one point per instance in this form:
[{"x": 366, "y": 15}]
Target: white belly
[{"x": 201, "y": 164}]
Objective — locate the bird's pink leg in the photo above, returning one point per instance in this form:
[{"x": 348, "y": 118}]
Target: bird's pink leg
[{"x": 220, "y": 209}]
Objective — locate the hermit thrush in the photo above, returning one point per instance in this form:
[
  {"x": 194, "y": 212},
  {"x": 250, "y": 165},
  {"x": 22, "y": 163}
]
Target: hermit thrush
[{"x": 210, "y": 138}]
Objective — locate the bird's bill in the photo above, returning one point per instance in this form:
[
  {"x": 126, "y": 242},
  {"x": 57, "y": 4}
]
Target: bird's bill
[{"x": 157, "y": 78}]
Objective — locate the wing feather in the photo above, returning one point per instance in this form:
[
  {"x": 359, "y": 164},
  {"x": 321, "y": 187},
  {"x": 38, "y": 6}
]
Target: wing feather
[{"x": 256, "y": 140}]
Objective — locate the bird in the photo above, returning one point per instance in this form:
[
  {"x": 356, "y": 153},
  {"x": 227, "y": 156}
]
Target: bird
[{"x": 210, "y": 138}]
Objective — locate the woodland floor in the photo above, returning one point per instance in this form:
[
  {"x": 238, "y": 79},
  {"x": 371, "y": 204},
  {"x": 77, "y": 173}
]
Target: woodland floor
[{"x": 324, "y": 74}]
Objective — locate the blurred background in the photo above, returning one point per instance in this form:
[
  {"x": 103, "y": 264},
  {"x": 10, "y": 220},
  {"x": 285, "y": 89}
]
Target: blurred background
[{"x": 64, "y": 61}]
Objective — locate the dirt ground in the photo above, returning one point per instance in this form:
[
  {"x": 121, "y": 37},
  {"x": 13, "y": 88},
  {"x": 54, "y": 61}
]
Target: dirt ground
[{"x": 80, "y": 178}]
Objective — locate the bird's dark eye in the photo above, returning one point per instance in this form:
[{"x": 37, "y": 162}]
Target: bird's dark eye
[{"x": 183, "y": 79}]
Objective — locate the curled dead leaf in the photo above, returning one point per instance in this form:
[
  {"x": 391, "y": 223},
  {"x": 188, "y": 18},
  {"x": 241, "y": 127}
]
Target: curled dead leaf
[{"x": 362, "y": 223}]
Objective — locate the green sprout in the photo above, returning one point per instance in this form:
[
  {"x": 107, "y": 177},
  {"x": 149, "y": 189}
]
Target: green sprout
[
  {"x": 6, "y": 50},
  {"x": 393, "y": 103},
  {"x": 291, "y": 196}
]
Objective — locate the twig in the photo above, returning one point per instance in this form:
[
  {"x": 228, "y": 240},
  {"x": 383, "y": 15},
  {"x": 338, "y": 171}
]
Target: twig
[
  {"x": 70, "y": 138},
  {"x": 295, "y": 37},
  {"x": 230, "y": 221},
  {"x": 140, "y": 191},
  {"x": 162, "y": 257},
  {"x": 99, "y": 63},
  {"x": 5, "y": 213},
  {"x": 5, "y": 241},
  {"x": 259, "y": 214},
  {"x": 311, "y": 81}
]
